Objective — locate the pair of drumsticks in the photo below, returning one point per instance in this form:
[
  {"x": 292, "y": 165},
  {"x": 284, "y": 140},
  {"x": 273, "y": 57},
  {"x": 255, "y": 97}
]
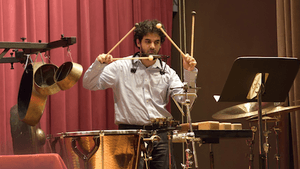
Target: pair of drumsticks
[{"x": 159, "y": 26}]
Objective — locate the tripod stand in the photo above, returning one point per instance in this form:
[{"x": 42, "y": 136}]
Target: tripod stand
[{"x": 190, "y": 139}]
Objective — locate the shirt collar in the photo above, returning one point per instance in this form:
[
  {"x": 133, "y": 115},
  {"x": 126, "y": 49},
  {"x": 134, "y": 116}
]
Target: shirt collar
[{"x": 157, "y": 64}]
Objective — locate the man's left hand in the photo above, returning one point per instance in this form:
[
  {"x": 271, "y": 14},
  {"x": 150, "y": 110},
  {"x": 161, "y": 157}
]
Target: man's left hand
[{"x": 189, "y": 62}]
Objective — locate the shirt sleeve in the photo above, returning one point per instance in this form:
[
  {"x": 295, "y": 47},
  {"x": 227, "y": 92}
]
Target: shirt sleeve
[
  {"x": 95, "y": 78},
  {"x": 190, "y": 78}
]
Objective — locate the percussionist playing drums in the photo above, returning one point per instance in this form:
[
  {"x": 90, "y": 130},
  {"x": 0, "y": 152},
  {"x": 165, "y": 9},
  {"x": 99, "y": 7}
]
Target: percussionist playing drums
[{"x": 141, "y": 87}]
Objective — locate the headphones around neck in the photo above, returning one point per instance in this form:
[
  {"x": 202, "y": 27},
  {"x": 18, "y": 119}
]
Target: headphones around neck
[{"x": 135, "y": 65}]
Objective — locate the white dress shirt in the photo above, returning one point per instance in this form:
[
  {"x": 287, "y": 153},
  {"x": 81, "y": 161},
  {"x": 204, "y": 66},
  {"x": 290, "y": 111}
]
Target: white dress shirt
[{"x": 139, "y": 96}]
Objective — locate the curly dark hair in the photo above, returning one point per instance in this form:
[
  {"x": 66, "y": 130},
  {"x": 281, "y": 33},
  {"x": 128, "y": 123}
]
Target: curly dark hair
[{"x": 148, "y": 26}]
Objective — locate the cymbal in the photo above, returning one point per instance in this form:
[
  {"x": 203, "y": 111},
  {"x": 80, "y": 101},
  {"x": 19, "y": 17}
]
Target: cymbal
[
  {"x": 265, "y": 118},
  {"x": 243, "y": 110},
  {"x": 280, "y": 109}
]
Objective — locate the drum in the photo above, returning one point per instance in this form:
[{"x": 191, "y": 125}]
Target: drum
[{"x": 118, "y": 149}]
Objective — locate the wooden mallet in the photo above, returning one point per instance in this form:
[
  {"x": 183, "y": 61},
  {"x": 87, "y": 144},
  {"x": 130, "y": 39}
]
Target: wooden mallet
[
  {"x": 192, "y": 36},
  {"x": 150, "y": 57},
  {"x": 122, "y": 39},
  {"x": 159, "y": 26}
]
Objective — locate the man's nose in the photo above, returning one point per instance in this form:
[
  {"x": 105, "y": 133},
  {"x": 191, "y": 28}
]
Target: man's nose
[{"x": 152, "y": 45}]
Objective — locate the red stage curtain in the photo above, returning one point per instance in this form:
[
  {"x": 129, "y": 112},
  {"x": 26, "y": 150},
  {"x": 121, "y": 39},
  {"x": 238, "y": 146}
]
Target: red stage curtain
[
  {"x": 98, "y": 25},
  {"x": 17, "y": 19}
]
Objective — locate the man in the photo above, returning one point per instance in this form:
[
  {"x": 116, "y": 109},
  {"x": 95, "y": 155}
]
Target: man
[{"x": 141, "y": 87}]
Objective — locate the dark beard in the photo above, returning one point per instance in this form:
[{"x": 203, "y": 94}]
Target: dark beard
[{"x": 143, "y": 53}]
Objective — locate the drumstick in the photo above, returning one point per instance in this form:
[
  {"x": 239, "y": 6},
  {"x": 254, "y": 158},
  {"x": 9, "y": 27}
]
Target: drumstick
[
  {"x": 122, "y": 39},
  {"x": 159, "y": 26},
  {"x": 150, "y": 57},
  {"x": 192, "y": 36}
]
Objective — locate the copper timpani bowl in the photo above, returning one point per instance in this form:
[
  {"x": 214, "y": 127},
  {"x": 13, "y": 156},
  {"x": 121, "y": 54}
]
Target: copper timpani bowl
[{"x": 118, "y": 149}]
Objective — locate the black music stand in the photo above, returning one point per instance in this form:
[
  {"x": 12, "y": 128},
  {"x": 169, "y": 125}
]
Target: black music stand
[{"x": 277, "y": 76}]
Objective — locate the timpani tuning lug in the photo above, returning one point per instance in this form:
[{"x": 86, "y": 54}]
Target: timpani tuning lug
[{"x": 152, "y": 138}]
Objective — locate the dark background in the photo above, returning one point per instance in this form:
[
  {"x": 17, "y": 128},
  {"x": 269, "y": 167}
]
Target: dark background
[{"x": 224, "y": 30}]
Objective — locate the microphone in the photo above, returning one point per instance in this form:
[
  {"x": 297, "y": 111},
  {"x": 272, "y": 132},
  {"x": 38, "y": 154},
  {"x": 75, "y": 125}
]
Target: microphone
[
  {"x": 155, "y": 56},
  {"x": 133, "y": 70}
]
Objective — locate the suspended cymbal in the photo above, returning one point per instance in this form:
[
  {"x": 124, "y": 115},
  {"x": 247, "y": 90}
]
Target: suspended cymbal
[
  {"x": 279, "y": 109},
  {"x": 243, "y": 110},
  {"x": 265, "y": 118}
]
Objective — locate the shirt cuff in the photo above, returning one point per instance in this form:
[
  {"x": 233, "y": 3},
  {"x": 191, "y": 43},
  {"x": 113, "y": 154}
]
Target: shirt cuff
[
  {"x": 190, "y": 76},
  {"x": 99, "y": 65}
]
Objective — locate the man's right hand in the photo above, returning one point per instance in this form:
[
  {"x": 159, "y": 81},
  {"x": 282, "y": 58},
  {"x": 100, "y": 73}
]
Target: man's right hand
[{"x": 104, "y": 58}]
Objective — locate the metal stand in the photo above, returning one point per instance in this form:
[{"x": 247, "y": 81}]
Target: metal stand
[
  {"x": 266, "y": 145},
  {"x": 147, "y": 154},
  {"x": 245, "y": 70},
  {"x": 250, "y": 143},
  {"x": 277, "y": 155},
  {"x": 262, "y": 155},
  {"x": 190, "y": 135},
  {"x": 31, "y": 48}
]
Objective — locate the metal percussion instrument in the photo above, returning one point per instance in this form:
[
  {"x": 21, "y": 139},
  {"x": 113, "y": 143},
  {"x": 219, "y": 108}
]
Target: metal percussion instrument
[
  {"x": 271, "y": 113},
  {"x": 67, "y": 75},
  {"x": 31, "y": 103},
  {"x": 278, "y": 110},
  {"x": 26, "y": 139},
  {"x": 243, "y": 110},
  {"x": 101, "y": 149},
  {"x": 250, "y": 110},
  {"x": 44, "y": 78}
]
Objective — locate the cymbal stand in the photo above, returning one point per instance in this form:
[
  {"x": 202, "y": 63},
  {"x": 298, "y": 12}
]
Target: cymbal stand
[
  {"x": 277, "y": 155},
  {"x": 188, "y": 152},
  {"x": 250, "y": 143},
  {"x": 187, "y": 104},
  {"x": 266, "y": 145},
  {"x": 262, "y": 156},
  {"x": 264, "y": 70}
]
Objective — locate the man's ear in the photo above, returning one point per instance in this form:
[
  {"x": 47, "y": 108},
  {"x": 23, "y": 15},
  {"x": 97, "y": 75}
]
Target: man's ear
[{"x": 138, "y": 43}]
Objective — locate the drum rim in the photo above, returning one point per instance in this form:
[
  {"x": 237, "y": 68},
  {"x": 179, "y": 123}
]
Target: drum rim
[{"x": 102, "y": 132}]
